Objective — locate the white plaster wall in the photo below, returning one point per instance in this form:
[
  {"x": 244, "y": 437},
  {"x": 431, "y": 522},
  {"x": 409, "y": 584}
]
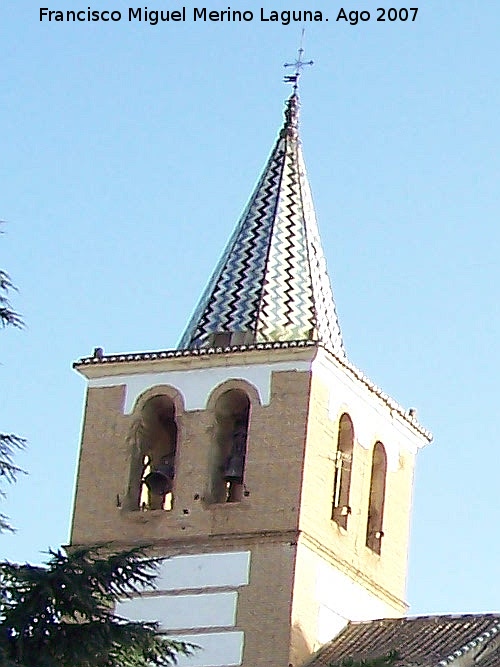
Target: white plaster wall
[
  {"x": 183, "y": 611},
  {"x": 197, "y": 385},
  {"x": 222, "y": 649},
  {"x": 204, "y": 571},
  {"x": 186, "y": 601},
  {"x": 329, "y": 625},
  {"x": 371, "y": 418},
  {"x": 340, "y": 599}
]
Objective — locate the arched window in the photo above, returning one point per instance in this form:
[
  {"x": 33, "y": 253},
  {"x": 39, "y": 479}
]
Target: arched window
[
  {"x": 343, "y": 468},
  {"x": 227, "y": 465},
  {"x": 374, "y": 530},
  {"x": 157, "y": 444}
]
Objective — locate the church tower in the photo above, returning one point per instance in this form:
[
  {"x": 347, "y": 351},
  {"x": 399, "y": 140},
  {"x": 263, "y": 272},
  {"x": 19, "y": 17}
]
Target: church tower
[{"x": 273, "y": 474}]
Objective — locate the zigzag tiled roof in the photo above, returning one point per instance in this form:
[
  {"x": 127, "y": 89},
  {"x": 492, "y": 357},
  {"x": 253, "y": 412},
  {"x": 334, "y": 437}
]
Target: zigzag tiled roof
[{"x": 271, "y": 282}]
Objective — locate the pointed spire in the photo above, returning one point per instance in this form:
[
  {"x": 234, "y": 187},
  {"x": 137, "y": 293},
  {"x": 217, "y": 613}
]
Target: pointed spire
[
  {"x": 291, "y": 126},
  {"x": 271, "y": 282}
]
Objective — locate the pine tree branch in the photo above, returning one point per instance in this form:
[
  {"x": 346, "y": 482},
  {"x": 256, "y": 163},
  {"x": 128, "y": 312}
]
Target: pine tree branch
[
  {"x": 62, "y": 615},
  {"x": 8, "y": 470},
  {"x": 8, "y": 317},
  {"x": 8, "y": 443},
  {"x": 383, "y": 661}
]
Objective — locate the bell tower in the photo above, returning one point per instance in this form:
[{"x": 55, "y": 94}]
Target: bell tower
[{"x": 272, "y": 473}]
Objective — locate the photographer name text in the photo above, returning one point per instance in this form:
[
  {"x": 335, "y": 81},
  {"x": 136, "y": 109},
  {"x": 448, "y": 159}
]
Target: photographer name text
[{"x": 205, "y": 14}]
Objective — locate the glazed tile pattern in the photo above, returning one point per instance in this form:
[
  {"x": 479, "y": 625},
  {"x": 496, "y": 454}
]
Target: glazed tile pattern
[{"x": 271, "y": 281}]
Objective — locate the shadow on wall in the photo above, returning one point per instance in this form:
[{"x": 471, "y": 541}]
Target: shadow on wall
[{"x": 301, "y": 649}]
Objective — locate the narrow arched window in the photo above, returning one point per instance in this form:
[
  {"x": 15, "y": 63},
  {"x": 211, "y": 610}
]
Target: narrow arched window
[
  {"x": 374, "y": 530},
  {"x": 227, "y": 465},
  {"x": 157, "y": 449},
  {"x": 343, "y": 468}
]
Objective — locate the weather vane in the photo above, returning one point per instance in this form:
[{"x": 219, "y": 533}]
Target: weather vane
[{"x": 299, "y": 65}]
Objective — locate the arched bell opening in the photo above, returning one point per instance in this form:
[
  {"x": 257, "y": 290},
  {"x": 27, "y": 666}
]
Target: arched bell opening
[
  {"x": 374, "y": 529},
  {"x": 157, "y": 445},
  {"x": 232, "y": 414},
  {"x": 341, "y": 508}
]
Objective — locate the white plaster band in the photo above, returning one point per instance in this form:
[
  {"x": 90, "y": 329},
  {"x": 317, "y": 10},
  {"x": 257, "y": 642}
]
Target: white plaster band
[{"x": 197, "y": 385}]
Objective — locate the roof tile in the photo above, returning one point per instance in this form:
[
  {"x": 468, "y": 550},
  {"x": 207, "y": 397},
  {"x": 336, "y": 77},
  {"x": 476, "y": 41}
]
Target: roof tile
[{"x": 427, "y": 641}]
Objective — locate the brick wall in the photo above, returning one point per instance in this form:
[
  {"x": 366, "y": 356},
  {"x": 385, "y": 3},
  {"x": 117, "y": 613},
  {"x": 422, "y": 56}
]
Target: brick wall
[{"x": 289, "y": 473}]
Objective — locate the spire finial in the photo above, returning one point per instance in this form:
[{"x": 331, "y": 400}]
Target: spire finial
[{"x": 299, "y": 65}]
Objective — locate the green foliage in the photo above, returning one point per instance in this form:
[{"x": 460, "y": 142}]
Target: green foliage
[
  {"x": 8, "y": 471},
  {"x": 384, "y": 661},
  {"x": 62, "y": 614},
  {"x": 8, "y": 442},
  {"x": 8, "y": 317}
]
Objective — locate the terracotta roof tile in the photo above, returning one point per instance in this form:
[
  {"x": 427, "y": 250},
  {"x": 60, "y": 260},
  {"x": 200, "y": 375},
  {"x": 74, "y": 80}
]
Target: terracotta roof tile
[{"x": 427, "y": 641}]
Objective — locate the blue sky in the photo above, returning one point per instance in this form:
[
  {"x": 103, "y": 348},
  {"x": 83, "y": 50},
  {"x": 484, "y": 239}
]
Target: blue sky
[{"x": 128, "y": 152}]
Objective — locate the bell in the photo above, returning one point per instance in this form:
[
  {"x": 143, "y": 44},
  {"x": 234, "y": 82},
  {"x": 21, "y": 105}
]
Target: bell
[
  {"x": 233, "y": 471},
  {"x": 160, "y": 481}
]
